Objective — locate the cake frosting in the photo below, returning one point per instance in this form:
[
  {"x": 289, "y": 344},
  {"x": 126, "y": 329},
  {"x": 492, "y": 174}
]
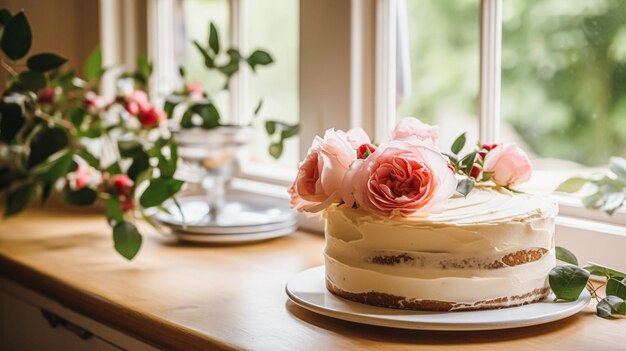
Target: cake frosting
[{"x": 491, "y": 249}]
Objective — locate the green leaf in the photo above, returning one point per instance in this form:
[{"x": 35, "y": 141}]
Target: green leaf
[
  {"x": 77, "y": 116},
  {"x": 32, "y": 80},
  {"x": 45, "y": 62},
  {"x": 93, "y": 66},
  {"x": 458, "y": 144},
  {"x": 276, "y": 149},
  {"x": 129, "y": 148},
  {"x": 464, "y": 186},
  {"x": 5, "y": 16},
  {"x": 126, "y": 239},
  {"x": 259, "y": 57},
  {"x": 616, "y": 287},
  {"x": 114, "y": 211},
  {"x": 159, "y": 190},
  {"x": 270, "y": 127},
  {"x": 169, "y": 107},
  {"x": 144, "y": 66},
  {"x": 17, "y": 37},
  {"x": 566, "y": 256},
  {"x": 611, "y": 306},
  {"x": 572, "y": 185},
  {"x": 54, "y": 167},
  {"x": 46, "y": 143},
  {"x": 181, "y": 71},
  {"x": 81, "y": 197},
  {"x": 603, "y": 271},
  {"x": 613, "y": 202},
  {"x": 141, "y": 163},
  {"x": 468, "y": 162},
  {"x": 167, "y": 167},
  {"x": 233, "y": 64},
  {"x": 89, "y": 158},
  {"x": 568, "y": 281},
  {"x": 594, "y": 200},
  {"x": 114, "y": 168},
  {"x": 214, "y": 42},
  {"x": 257, "y": 109},
  {"x": 290, "y": 131},
  {"x": 208, "y": 112},
  {"x": 208, "y": 60},
  {"x": 618, "y": 166},
  {"x": 17, "y": 199},
  {"x": 11, "y": 121}
]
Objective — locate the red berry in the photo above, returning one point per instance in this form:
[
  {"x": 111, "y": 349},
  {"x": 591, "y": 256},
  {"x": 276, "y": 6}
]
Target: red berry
[
  {"x": 46, "y": 96},
  {"x": 122, "y": 183},
  {"x": 151, "y": 117},
  {"x": 365, "y": 150},
  {"x": 475, "y": 172}
]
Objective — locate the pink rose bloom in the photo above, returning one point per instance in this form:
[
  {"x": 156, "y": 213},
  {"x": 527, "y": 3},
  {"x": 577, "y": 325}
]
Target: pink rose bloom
[
  {"x": 356, "y": 137},
  {"x": 410, "y": 127},
  {"x": 400, "y": 178},
  {"x": 95, "y": 101},
  {"x": 320, "y": 177},
  {"x": 194, "y": 89},
  {"x": 136, "y": 101},
  {"x": 509, "y": 164},
  {"x": 151, "y": 116},
  {"x": 84, "y": 176}
]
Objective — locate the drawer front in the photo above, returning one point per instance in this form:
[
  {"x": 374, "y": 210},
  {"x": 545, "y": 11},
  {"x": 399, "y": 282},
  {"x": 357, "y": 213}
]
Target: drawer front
[{"x": 25, "y": 327}]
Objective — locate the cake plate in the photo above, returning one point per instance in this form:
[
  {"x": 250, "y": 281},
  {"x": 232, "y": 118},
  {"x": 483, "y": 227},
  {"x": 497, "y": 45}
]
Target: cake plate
[
  {"x": 307, "y": 289},
  {"x": 243, "y": 217}
]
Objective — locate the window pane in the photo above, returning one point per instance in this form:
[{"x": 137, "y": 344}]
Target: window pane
[
  {"x": 444, "y": 50},
  {"x": 272, "y": 25},
  {"x": 192, "y": 22},
  {"x": 563, "y": 79}
]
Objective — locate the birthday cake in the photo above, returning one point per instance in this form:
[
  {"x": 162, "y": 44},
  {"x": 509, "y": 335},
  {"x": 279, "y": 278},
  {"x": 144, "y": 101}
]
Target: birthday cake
[{"x": 410, "y": 227}]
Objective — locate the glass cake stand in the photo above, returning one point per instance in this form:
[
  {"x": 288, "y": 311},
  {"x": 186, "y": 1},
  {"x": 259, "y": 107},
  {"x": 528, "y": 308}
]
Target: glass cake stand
[{"x": 217, "y": 214}]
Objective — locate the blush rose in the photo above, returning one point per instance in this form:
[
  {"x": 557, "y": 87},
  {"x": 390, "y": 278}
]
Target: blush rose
[
  {"x": 508, "y": 164},
  {"x": 400, "y": 178},
  {"x": 320, "y": 175},
  {"x": 411, "y": 127}
]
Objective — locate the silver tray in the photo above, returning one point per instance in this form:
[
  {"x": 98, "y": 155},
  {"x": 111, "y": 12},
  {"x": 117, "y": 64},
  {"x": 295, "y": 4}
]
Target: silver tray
[
  {"x": 233, "y": 238},
  {"x": 242, "y": 213}
]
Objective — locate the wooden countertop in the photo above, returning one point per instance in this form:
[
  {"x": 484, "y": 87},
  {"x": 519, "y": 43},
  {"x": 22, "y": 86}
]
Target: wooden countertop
[{"x": 184, "y": 297}]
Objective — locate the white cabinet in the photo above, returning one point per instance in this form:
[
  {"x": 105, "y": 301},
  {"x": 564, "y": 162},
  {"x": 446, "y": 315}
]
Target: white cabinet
[{"x": 31, "y": 321}]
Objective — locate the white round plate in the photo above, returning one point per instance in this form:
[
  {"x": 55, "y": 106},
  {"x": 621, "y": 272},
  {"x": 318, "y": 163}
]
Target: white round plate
[
  {"x": 307, "y": 289},
  {"x": 233, "y": 238}
]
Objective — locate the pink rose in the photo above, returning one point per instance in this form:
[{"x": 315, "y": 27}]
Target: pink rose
[
  {"x": 136, "y": 101},
  {"x": 151, "y": 116},
  {"x": 400, "y": 178},
  {"x": 356, "y": 137},
  {"x": 320, "y": 176},
  {"x": 194, "y": 89},
  {"x": 95, "y": 101},
  {"x": 412, "y": 127},
  {"x": 84, "y": 176},
  {"x": 508, "y": 164}
]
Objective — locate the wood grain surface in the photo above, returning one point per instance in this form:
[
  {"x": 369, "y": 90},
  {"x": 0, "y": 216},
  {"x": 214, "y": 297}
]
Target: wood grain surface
[{"x": 186, "y": 297}]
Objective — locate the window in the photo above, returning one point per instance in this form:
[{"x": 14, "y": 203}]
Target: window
[
  {"x": 563, "y": 72},
  {"x": 271, "y": 25},
  {"x": 443, "y": 38}
]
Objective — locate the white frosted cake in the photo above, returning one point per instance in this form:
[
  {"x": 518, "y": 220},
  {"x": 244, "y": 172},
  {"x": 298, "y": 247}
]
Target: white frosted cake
[{"x": 492, "y": 249}]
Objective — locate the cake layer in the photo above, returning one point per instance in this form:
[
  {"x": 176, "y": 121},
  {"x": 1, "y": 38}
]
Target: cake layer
[{"x": 491, "y": 246}]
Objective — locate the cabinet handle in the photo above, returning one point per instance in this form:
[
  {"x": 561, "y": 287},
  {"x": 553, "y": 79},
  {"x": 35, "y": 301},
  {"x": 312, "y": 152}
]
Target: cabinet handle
[{"x": 55, "y": 321}]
